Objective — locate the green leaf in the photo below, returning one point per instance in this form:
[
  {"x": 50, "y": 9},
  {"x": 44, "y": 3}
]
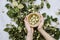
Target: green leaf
[
  {"x": 47, "y": 21},
  {"x": 57, "y": 35},
  {"x": 16, "y": 9},
  {"x": 6, "y": 29},
  {"x": 44, "y": 14},
  {"x": 36, "y": 7},
  {"x": 24, "y": 9},
  {"x": 42, "y": 5},
  {"x": 29, "y": 6},
  {"x": 54, "y": 19},
  {"x": 48, "y": 5},
  {"x": 12, "y": 12},
  {"x": 20, "y": 6},
  {"x": 20, "y": 29},
  {"x": 8, "y": 6}
]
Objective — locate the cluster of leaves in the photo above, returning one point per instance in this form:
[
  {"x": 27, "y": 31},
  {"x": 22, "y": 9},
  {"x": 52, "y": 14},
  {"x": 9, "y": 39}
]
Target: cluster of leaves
[
  {"x": 15, "y": 33},
  {"x": 55, "y": 32},
  {"x": 18, "y": 15}
]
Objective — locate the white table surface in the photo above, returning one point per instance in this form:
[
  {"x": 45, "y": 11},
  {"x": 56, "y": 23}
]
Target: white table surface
[{"x": 4, "y": 19}]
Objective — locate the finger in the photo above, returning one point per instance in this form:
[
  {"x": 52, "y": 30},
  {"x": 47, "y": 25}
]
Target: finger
[
  {"x": 41, "y": 21},
  {"x": 41, "y": 16},
  {"x": 25, "y": 18}
]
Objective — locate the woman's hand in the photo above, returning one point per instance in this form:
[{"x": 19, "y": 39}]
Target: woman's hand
[
  {"x": 27, "y": 25},
  {"x": 43, "y": 32},
  {"x": 29, "y": 29},
  {"x": 41, "y": 23}
]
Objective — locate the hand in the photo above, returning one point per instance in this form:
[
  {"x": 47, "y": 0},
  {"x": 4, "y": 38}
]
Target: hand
[
  {"x": 29, "y": 29},
  {"x": 27, "y": 25},
  {"x": 41, "y": 22}
]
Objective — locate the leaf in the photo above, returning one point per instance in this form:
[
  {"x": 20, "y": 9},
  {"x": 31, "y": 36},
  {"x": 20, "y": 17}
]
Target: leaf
[
  {"x": 48, "y": 5},
  {"x": 54, "y": 19},
  {"x": 14, "y": 3},
  {"x": 16, "y": 9},
  {"x": 12, "y": 12},
  {"x": 20, "y": 6},
  {"x": 24, "y": 9},
  {"x": 29, "y": 6},
  {"x": 47, "y": 21},
  {"x": 19, "y": 28},
  {"x": 8, "y": 6},
  {"x": 44, "y": 14},
  {"x": 42, "y": 5},
  {"x": 57, "y": 34},
  {"x": 6, "y": 29},
  {"x": 37, "y": 8}
]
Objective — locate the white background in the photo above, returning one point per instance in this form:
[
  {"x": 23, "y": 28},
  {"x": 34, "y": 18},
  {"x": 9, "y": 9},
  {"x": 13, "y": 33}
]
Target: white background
[{"x": 4, "y": 19}]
